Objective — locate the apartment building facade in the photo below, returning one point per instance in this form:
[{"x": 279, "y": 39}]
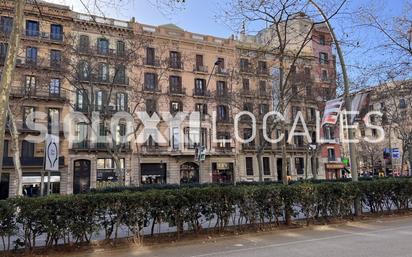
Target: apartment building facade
[
  {"x": 324, "y": 68},
  {"x": 392, "y": 155},
  {"x": 38, "y": 86},
  {"x": 101, "y": 60},
  {"x": 110, "y": 66}
]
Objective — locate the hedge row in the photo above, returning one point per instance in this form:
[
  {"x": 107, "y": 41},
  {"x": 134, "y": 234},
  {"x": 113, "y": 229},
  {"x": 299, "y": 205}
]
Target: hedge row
[{"x": 76, "y": 218}]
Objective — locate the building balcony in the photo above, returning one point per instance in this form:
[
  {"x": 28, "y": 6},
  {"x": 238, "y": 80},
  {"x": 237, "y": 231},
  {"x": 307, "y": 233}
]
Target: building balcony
[
  {"x": 152, "y": 62},
  {"x": 224, "y": 120},
  {"x": 203, "y": 93},
  {"x": 100, "y": 52},
  {"x": 265, "y": 94},
  {"x": 262, "y": 71},
  {"x": 200, "y": 69},
  {"x": 103, "y": 109},
  {"x": 326, "y": 80},
  {"x": 152, "y": 89},
  {"x": 178, "y": 91},
  {"x": 46, "y": 36},
  {"x": 39, "y": 93},
  {"x": 99, "y": 147},
  {"x": 246, "y": 69},
  {"x": 247, "y": 93},
  {"x": 225, "y": 150},
  {"x": 249, "y": 147},
  {"x": 119, "y": 81},
  {"x": 35, "y": 63},
  {"x": 323, "y": 61},
  {"x": 332, "y": 159},
  {"x": 221, "y": 71},
  {"x": 154, "y": 149},
  {"x": 176, "y": 65},
  {"x": 22, "y": 127},
  {"x": 29, "y": 162},
  {"x": 222, "y": 96},
  {"x": 297, "y": 147},
  {"x": 245, "y": 119}
]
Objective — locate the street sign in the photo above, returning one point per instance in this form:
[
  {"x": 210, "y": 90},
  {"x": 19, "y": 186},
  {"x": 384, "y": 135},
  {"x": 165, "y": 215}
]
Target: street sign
[
  {"x": 391, "y": 152},
  {"x": 396, "y": 154},
  {"x": 202, "y": 155},
  {"x": 51, "y": 156}
]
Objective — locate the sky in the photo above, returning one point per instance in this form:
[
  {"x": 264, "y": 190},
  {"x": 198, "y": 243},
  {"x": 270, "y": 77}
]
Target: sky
[
  {"x": 195, "y": 15},
  {"x": 198, "y": 16},
  {"x": 201, "y": 16}
]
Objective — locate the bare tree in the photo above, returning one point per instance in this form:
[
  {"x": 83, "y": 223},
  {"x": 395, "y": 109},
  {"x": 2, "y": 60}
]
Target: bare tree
[
  {"x": 8, "y": 70},
  {"x": 397, "y": 106},
  {"x": 371, "y": 154},
  {"x": 289, "y": 27}
]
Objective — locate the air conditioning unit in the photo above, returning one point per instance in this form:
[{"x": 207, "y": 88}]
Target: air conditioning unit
[
  {"x": 19, "y": 61},
  {"x": 44, "y": 35}
]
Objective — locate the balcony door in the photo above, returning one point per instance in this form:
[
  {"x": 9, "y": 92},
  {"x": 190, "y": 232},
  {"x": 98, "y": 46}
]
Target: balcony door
[{"x": 81, "y": 176}]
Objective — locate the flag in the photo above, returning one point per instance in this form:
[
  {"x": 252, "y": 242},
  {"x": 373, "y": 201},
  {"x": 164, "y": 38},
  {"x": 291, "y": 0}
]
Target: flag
[
  {"x": 332, "y": 111},
  {"x": 359, "y": 103}
]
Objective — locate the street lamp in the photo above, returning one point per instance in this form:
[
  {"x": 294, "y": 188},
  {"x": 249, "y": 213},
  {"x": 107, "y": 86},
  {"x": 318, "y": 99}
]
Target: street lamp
[{"x": 200, "y": 147}]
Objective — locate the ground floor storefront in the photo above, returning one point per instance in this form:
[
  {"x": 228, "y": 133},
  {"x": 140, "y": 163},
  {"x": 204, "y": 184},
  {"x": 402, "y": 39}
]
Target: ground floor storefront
[
  {"x": 88, "y": 171},
  {"x": 335, "y": 171}
]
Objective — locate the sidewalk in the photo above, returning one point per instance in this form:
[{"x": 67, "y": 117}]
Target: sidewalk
[{"x": 381, "y": 237}]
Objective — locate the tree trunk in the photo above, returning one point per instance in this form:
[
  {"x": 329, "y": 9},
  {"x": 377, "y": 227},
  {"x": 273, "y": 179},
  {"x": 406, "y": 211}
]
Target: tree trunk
[
  {"x": 121, "y": 173},
  {"x": 260, "y": 166},
  {"x": 306, "y": 163},
  {"x": 314, "y": 164},
  {"x": 402, "y": 161},
  {"x": 8, "y": 70},
  {"x": 16, "y": 153},
  {"x": 282, "y": 109},
  {"x": 410, "y": 160}
]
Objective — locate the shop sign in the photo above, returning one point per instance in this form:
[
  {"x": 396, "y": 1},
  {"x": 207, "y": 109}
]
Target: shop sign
[
  {"x": 222, "y": 166},
  {"x": 335, "y": 166}
]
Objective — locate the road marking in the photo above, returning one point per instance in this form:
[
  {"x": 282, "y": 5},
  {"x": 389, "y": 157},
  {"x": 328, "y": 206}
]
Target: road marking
[{"x": 346, "y": 234}]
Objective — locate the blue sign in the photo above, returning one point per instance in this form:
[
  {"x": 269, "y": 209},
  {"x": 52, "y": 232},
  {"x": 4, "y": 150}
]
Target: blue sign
[{"x": 396, "y": 154}]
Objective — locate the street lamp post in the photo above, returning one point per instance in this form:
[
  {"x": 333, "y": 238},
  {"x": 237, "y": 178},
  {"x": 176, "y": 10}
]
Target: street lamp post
[{"x": 200, "y": 147}]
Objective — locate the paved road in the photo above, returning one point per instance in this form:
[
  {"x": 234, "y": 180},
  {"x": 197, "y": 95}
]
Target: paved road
[{"x": 387, "y": 237}]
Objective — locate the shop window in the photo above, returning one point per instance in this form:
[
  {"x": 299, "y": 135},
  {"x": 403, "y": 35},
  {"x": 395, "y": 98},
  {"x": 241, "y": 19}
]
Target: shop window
[
  {"x": 153, "y": 173},
  {"x": 222, "y": 172},
  {"x": 106, "y": 171}
]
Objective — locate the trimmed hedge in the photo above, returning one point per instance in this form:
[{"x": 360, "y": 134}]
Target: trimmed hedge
[{"x": 76, "y": 218}]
